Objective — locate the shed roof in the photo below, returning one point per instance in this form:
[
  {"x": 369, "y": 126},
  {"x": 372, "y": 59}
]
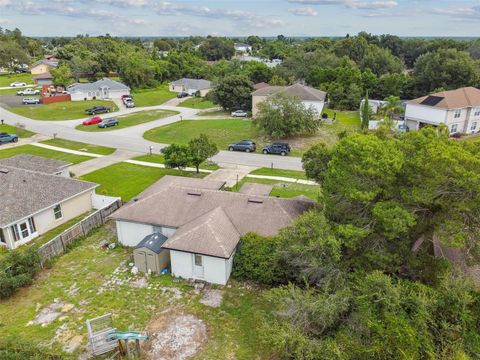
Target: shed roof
[
  {"x": 304, "y": 93},
  {"x": 199, "y": 84},
  {"x": 152, "y": 242},
  {"x": 451, "y": 99}
]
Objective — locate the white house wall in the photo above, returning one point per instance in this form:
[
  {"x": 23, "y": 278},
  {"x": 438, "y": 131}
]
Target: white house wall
[
  {"x": 182, "y": 264},
  {"x": 215, "y": 270},
  {"x": 317, "y": 105},
  {"x": 425, "y": 114},
  {"x": 130, "y": 233},
  {"x": 98, "y": 94}
]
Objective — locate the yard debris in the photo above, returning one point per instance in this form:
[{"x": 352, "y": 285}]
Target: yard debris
[
  {"x": 212, "y": 298},
  {"x": 175, "y": 335},
  {"x": 50, "y": 313}
]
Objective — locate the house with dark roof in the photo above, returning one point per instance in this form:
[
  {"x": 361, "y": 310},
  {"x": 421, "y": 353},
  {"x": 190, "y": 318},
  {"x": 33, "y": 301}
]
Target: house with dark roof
[
  {"x": 202, "y": 223},
  {"x": 192, "y": 87},
  {"x": 101, "y": 89},
  {"x": 35, "y": 198},
  {"x": 309, "y": 96},
  {"x": 459, "y": 109}
]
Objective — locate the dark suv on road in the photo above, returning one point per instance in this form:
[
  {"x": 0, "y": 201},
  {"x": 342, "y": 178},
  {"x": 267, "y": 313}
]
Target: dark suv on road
[
  {"x": 107, "y": 123},
  {"x": 277, "y": 148},
  {"x": 97, "y": 110},
  {"x": 244, "y": 145}
]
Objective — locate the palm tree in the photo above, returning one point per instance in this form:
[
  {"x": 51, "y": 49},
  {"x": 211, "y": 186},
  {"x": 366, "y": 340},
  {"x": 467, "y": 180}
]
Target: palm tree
[{"x": 392, "y": 107}]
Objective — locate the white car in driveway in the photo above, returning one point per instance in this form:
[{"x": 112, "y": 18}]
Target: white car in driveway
[
  {"x": 18, "y": 84},
  {"x": 28, "y": 91},
  {"x": 31, "y": 101},
  {"x": 239, "y": 113}
]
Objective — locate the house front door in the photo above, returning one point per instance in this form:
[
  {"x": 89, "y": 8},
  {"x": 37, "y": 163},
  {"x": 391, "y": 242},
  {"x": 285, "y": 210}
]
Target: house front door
[{"x": 198, "y": 265}]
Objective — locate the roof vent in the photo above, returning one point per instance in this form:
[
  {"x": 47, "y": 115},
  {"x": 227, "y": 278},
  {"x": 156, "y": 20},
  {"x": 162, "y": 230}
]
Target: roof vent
[
  {"x": 255, "y": 200},
  {"x": 3, "y": 171},
  {"x": 194, "y": 192}
]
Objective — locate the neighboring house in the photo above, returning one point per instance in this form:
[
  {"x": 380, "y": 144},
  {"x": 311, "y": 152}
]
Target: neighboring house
[
  {"x": 43, "y": 79},
  {"x": 202, "y": 222},
  {"x": 270, "y": 63},
  {"x": 43, "y": 66},
  {"x": 191, "y": 86},
  {"x": 101, "y": 89},
  {"x": 260, "y": 85},
  {"x": 459, "y": 109},
  {"x": 242, "y": 47},
  {"x": 375, "y": 105},
  {"x": 37, "y": 196},
  {"x": 309, "y": 96}
]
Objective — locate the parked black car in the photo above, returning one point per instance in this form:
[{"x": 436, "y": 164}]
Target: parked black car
[
  {"x": 107, "y": 123},
  {"x": 277, "y": 148},
  {"x": 244, "y": 145},
  {"x": 97, "y": 110},
  {"x": 182, "y": 94}
]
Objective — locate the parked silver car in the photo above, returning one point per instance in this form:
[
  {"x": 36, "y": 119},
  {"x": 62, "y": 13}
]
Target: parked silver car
[{"x": 239, "y": 113}]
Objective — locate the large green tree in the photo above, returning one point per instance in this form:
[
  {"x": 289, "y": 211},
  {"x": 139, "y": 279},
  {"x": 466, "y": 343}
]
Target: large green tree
[
  {"x": 62, "y": 75},
  {"x": 233, "y": 92},
  {"x": 201, "y": 148},
  {"x": 214, "y": 49}
]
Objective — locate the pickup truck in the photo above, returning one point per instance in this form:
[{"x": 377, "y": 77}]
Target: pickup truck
[
  {"x": 28, "y": 91},
  {"x": 97, "y": 110},
  {"x": 8, "y": 138}
]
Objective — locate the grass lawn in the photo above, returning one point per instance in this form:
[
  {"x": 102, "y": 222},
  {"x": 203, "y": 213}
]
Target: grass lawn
[
  {"x": 7, "y": 79},
  {"x": 214, "y": 113},
  {"x": 97, "y": 281},
  {"x": 22, "y": 133},
  {"x": 68, "y": 110},
  {"x": 131, "y": 120},
  {"x": 280, "y": 172},
  {"x": 79, "y": 146},
  {"x": 128, "y": 180},
  {"x": 284, "y": 189},
  {"x": 222, "y": 132},
  {"x": 158, "y": 159},
  {"x": 46, "y": 153},
  {"x": 151, "y": 97},
  {"x": 197, "y": 103},
  {"x": 471, "y": 138}
]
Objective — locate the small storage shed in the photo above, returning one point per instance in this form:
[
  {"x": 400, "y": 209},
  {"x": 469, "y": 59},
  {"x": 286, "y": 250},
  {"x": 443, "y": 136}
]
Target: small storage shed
[{"x": 149, "y": 254}]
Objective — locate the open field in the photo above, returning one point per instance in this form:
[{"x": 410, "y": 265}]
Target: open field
[
  {"x": 284, "y": 189},
  {"x": 90, "y": 281},
  {"x": 197, "y": 103},
  {"x": 128, "y": 180},
  {"x": 151, "y": 97},
  {"x": 68, "y": 110},
  {"x": 22, "y": 133},
  {"x": 7, "y": 79},
  {"x": 79, "y": 146},
  {"x": 131, "y": 120},
  {"x": 38, "y": 151}
]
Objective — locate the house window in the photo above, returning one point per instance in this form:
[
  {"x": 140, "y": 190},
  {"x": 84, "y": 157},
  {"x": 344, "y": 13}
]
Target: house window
[
  {"x": 477, "y": 112},
  {"x": 31, "y": 223},
  {"x": 198, "y": 260},
  {"x": 57, "y": 211},
  {"x": 2, "y": 237},
  {"x": 23, "y": 230},
  {"x": 457, "y": 113},
  {"x": 453, "y": 128},
  {"x": 473, "y": 127}
]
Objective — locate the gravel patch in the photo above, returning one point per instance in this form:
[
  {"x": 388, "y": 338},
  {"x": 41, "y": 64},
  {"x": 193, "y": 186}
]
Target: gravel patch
[{"x": 212, "y": 298}]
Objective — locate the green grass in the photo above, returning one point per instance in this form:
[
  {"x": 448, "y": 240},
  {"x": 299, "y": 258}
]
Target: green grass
[
  {"x": 22, "y": 133},
  {"x": 46, "y": 153},
  {"x": 197, "y": 103},
  {"x": 280, "y": 172},
  {"x": 128, "y": 180},
  {"x": 158, "y": 159},
  {"x": 68, "y": 110},
  {"x": 284, "y": 189},
  {"x": 79, "y": 146},
  {"x": 222, "y": 132},
  {"x": 151, "y": 97},
  {"x": 214, "y": 113},
  {"x": 6, "y": 80},
  {"x": 233, "y": 329},
  {"x": 131, "y": 120}
]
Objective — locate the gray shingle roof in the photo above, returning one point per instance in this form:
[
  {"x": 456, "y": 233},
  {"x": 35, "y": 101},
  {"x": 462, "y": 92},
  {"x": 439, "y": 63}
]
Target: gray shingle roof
[
  {"x": 97, "y": 85},
  {"x": 199, "y": 84},
  {"x": 25, "y": 192},
  {"x": 45, "y": 61},
  {"x": 35, "y": 163},
  {"x": 153, "y": 242},
  {"x": 304, "y": 93}
]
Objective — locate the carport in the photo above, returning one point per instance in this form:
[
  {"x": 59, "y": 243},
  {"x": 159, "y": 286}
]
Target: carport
[{"x": 149, "y": 255}]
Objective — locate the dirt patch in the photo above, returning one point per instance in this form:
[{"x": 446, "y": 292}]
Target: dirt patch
[
  {"x": 139, "y": 283},
  {"x": 50, "y": 313},
  {"x": 175, "y": 335},
  {"x": 212, "y": 298}
]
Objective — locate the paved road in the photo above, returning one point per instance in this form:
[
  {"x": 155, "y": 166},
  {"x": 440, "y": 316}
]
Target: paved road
[{"x": 131, "y": 138}]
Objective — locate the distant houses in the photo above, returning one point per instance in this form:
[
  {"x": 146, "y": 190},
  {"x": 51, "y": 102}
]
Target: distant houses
[
  {"x": 309, "y": 96},
  {"x": 101, "y": 89},
  {"x": 192, "y": 87},
  {"x": 242, "y": 48}
]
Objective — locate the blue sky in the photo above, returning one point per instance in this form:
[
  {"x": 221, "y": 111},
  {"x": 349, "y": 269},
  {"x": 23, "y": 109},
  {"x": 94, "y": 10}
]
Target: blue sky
[{"x": 241, "y": 18}]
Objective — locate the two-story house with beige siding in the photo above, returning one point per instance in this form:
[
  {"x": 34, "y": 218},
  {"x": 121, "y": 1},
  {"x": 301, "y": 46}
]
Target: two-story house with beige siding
[{"x": 458, "y": 109}]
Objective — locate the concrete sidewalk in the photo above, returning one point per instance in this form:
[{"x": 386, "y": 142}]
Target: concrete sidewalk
[
  {"x": 230, "y": 175},
  {"x": 101, "y": 162}
]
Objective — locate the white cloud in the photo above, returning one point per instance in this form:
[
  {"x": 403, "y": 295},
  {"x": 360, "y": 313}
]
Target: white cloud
[
  {"x": 352, "y": 4},
  {"x": 5, "y": 21},
  {"x": 124, "y": 3},
  {"x": 304, "y": 11},
  {"x": 5, "y": 3},
  {"x": 460, "y": 13}
]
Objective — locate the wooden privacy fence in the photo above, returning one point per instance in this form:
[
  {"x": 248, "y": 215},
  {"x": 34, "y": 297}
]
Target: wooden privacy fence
[{"x": 59, "y": 244}]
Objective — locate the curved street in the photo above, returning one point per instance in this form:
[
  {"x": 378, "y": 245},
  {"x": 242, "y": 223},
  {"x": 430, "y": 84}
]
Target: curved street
[{"x": 131, "y": 138}]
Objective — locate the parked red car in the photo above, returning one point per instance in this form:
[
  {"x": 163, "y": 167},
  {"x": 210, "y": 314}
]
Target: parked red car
[{"x": 93, "y": 120}]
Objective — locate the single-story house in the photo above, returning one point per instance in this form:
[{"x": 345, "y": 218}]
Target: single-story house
[
  {"x": 191, "y": 86},
  {"x": 375, "y": 105},
  {"x": 242, "y": 47},
  {"x": 44, "y": 65},
  {"x": 202, "y": 223},
  {"x": 43, "y": 79},
  {"x": 100, "y": 89},
  {"x": 309, "y": 96},
  {"x": 37, "y": 196},
  {"x": 459, "y": 109}
]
